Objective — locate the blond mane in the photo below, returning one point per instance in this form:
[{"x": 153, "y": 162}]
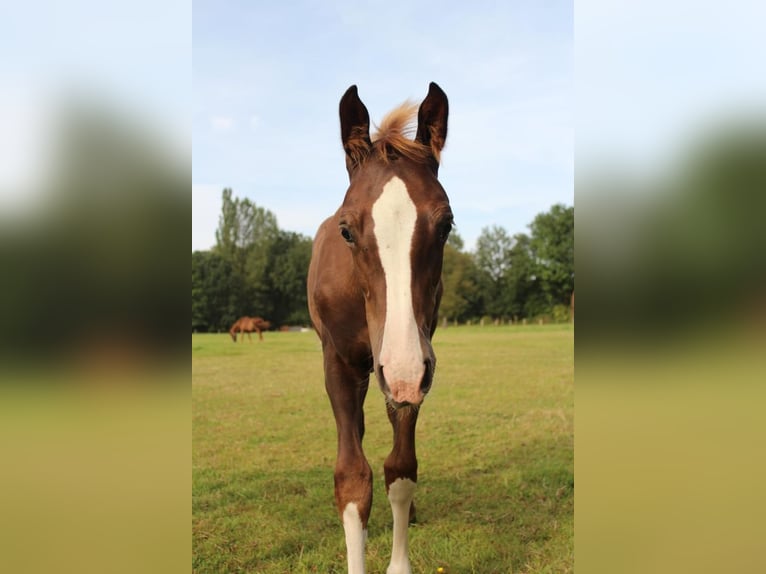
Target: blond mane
[{"x": 395, "y": 136}]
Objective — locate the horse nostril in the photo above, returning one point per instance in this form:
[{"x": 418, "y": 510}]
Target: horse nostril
[
  {"x": 382, "y": 380},
  {"x": 428, "y": 376}
]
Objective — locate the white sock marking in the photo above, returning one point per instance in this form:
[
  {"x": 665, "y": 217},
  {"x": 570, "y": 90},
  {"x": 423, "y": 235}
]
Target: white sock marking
[
  {"x": 395, "y": 215},
  {"x": 400, "y": 495},
  {"x": 356, "y": 536}
]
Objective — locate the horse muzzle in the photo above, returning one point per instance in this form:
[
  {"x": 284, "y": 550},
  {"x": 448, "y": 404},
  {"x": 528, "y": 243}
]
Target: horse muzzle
[{"x": 405, "y": 387}]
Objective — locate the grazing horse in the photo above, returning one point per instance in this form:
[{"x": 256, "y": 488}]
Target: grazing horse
[
  {"x": 374, "y": 287},
  {"x": 248, "y": 325}
]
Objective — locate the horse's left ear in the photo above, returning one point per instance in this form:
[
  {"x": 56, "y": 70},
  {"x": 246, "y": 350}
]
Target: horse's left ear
[{"x": 432, "y": 121}]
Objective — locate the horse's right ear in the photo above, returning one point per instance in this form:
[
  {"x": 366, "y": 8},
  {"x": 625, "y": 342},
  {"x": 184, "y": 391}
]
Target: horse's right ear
[{"x": 354, "y": 129}]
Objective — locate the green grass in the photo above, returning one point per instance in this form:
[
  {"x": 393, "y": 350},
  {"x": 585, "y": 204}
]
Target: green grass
[{"x": 495, "y": 450}]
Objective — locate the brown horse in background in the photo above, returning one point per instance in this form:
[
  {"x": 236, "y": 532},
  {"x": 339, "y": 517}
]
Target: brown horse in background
[
  {"x": 248, "y": 325},
  {"x": 374, "y": 288}
]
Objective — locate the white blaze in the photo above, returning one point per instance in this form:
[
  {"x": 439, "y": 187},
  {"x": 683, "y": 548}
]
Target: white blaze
[
  {"x": 400, "y": 494},
  {"x": 394, "y": 215},
  {"x": 356, "y": 537}
]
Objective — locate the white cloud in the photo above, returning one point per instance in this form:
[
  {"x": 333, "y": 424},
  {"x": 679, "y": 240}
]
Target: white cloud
[{"x": 221, "y": 123}]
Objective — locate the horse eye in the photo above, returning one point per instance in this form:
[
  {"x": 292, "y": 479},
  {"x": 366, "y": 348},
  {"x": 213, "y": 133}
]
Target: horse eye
[
  {"x": 444, "y": 230},
  {"x": 346, "y": 235}
]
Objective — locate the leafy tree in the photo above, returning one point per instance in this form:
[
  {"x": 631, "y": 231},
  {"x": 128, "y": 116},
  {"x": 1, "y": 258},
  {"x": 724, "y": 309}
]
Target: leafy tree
[
  {"x": 519, "y": 280},
  {"x": 492, "y": 259},
  {"x": 552, "y": 247},
  {"x": 461, "y": 298},
  {"x": 214, "y": 297},
  {"x": 492, "y": 250},
  {"x": 285, "y": 278},
  {"x": 243, "y": 225},
  {"x": 244, "y": 238}
]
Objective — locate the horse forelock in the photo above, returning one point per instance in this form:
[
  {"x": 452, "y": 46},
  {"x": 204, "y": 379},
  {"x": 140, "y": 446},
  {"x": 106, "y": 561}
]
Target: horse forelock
[{"x": 394, "y": 136}]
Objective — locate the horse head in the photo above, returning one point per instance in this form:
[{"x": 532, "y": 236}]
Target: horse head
[{"x": 395, "y": 220}]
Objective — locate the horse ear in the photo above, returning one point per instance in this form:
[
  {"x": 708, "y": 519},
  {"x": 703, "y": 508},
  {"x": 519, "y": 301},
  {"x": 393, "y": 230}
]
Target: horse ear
[
  {"x": 432, "y": 121},
  {"x": 354, "y": 128}
]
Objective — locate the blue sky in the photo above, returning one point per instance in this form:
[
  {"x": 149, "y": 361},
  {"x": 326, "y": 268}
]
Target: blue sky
[{"x": 267, "y": 78}]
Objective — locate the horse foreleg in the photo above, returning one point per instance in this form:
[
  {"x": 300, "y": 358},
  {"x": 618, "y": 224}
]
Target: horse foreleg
[
  {"x": 353, "y": 475},
  {"x": 260, "y": 334},
  {"x": 401, "y": 471}
]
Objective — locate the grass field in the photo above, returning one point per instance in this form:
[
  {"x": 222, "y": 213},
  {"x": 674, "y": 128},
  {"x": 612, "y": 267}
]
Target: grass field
[{"x": 495, "y": 448}]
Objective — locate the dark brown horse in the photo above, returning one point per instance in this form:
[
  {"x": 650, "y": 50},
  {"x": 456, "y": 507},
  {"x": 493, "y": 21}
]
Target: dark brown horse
[
  {"x": 248, "y": 325},
  {"x": 374, "y": 288}
]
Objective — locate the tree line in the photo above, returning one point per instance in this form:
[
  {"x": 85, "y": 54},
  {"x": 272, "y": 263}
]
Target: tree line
[{"x": 256, "y": 268}]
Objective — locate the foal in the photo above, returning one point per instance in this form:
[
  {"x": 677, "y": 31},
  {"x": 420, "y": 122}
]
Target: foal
[{"x": 374, "y": 287}]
